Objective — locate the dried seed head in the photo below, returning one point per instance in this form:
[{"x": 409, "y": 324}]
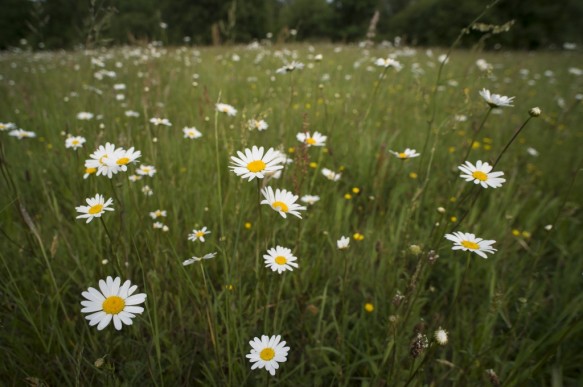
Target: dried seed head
[{"x": 418, "y": 345}]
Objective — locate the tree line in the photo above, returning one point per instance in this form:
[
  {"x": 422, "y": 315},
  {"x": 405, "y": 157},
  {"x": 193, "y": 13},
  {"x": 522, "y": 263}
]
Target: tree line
[{"x": 53, "y": 24}]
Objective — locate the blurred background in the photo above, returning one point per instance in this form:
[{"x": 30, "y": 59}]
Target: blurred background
[{"x": 54, "y": 24}]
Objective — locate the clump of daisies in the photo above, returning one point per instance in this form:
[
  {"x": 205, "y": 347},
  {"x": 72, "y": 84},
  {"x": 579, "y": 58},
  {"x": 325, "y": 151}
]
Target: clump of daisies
[
  {"x": 481, "y": 174},
  {"x": 469, "y": 242},
  {"x": 109, "y": 160},
  {"x": 112, "y": 301},
  {"x": 267, "y": 353}
]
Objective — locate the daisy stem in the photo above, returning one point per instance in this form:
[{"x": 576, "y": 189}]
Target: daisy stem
[
  {"x": 460, "y": 285},
  {"x": 476, "y": 132},
  {"x": 219, "y": 191},
  {"x": 516, "y": 133}
]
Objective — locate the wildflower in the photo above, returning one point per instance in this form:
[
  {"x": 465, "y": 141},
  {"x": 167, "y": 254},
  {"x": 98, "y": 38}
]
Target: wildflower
[
  {"x": 131, "y": 113},
  {"x": 146, "y": 170},
  {"x": 343, "y": 243},
  {"x": 198, "y": 234},
  {"x": 248, "y": 225},
  {"x": 317, "y": 139},
  {"x": 535, "y": 112},
  {"x": 469, "y": 242},
  {"x": 89, "y": 171},
  {"x": 358, "y": 236},
  {"x": 160, "y": 121},
  {"x": 121, "y": 158},
  {"x": 134, "y": 178},
  {"x": 95, "y": 208},
  {"x": 282, "y": 201},
  {"x": 74, "y": 142},
  {"x": 440, "y": 336},
  {"x": 280, "y": 259},
  {"x": 267, "y": 353},
  {"x": 496, "y": 100},
  {"x": 191, "y": 133},
  {"x": 157, "y": 214},
  {"x": 85, "y": 116},
  {"x": 331, "y": 175},
  {"x": 254, "y": 164},
  {"x": 113, "y": 302},
  {"x": 481, "y": 174},
  {"x": 98, "y": 160},
  {"x": 21, "y": 133},
  {"x": 483, "y": 65},
  {"x": 225, "y": 108},
  {"x": 146, "y": 190},
  {"x": 369, "y": 307},
  {"x": 257, "y": 124},
  {"x": 197, "y": 259},
  {"x": 388, "y": 62},
  {"x": 418, "y": 345},
  {"x": 347, "y": 196},
  {"x": 7, "y": 126},
  {"x": 288, "y": 68},
  {"x": 415, "y": 249},
  {"x": 407, "y": 154},
  {"x": 531, "y": 151},
  {"x": 310, "y": 199}
]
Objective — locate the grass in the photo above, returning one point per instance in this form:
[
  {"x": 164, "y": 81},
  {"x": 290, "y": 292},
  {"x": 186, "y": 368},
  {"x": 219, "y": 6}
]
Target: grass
[{"x": 518, "y": 313}]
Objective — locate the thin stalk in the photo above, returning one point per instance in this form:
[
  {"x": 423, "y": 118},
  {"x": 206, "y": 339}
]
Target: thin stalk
[
  {"x": 475, "y": 136},
  {"x": 516, "y": 133}
]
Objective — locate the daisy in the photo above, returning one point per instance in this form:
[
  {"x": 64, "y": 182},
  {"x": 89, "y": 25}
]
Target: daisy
[
  {"x": 131, "y": 113},
  {"x": 7, "y": 126},
  {"x": 288, "y": 68},
  {"x": 282, "y": 201},
  {"x": 121, "y": 158},
  {"x": 317, "y": 139},
  {"x": 466, "y": 241},
  {"x": 226, "y": 108},
  {"x": 198, "y": 234},
  {"x": 160, "y": 121},
  {"x": 481, "y": 174},
  {"x": 267, "y": 353},
  {"x": 331, "y": 175},
  {"x": 197, "y": 259},
  {"x": 388, "y": 62},
  {"x": 191, "y": 133},
  {"x": 310, "y": 199},
  {"x": 84, "y": 116},
  {"x": 254, "y": 164},
  {"x": 343, "y": 242},
  {"x": 146, "y": 170},
  {"x": 158, "y": 213},
  {"x": 280, "y": 259},
  {"x": 407, "y": 154},
  {"x": 88, "y": 172},
  {"x": 74, "y": 142},
  {"x": 98, "y": 160},
  {"x": 257, "y": 124},
  {"x": 113, "y": 302},
  {"x": 95, "y": 208},
  {"x": 21, "y": 133},
  {"x": 496, "y": 100}
]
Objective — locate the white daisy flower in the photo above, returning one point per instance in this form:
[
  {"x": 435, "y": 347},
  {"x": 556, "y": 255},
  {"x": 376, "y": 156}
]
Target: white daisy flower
[
  {"x": 113, "y": 302},
  {"x": 198, "y": 234},
  {"x": 406, "y": 154},
  {"x": 280, "y": 259},
  {"x": 146, "y": 190},
  {"x": 21, "y": 133},
  {"x": 481, "y": 174},
  {"x": 466, "y": 241},
  {"x": 95, "y": 207},
  {"x": 157, "y": 214},
  {"x": 99, "y": 160},
  {"x": 146, "y": 170},
  {"x": 343, "y": 242},
  {"x": 197, "y": 259},
  {"x": 310, "y": 199},
  {"x": 160, "y": 121},
  {"x": 191, "y": 133},
  {"x": 85, "y": 116},
  {"x": 267, "y": 353},
  {"x": 331, "y": 175},
  {"x": 260, "y": 125},
  {"x": 226, "y": 108},
  {"x": 288, "y": 68},
  {"x": 254, "y": 164},
  {"x": 74, "y": 142},
  {"x": 496, "y": 100},
  {"x": 121, "y": 158},
  {"x": 7, "y": 126},
  {"x": 388, "y": 62},
  {"x": 131, "y": 113},
  {"x": 282, "y": 201},
  {"x": 317, "y": 139}
]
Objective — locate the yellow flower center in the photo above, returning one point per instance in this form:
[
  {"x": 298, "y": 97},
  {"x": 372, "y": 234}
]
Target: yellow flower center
[
  {"x": 402, "y": 155},
  {"x": 470, "y": 245},
  {"x": 280, "y": 260},
  {"x": 146, "y": 169},
  {"x": 96, "y": 209},
  {"x": 310, "y": 140},
  {"x": 75, "y": 142},
  {"x": 123, "y": 161},
  {"x": 267, "y": 354},
  {"x": 199, "y": 234},
  {"x": 280, "y": 205},
  {"x": 256, "y": 166},
  {"x": 90, "y": 170},
  {"x": 113, "y": 305},
  {"x": 480, "y": 175}
]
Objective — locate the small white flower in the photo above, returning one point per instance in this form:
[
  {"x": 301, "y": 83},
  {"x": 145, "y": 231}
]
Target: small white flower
[
  {"x": 496, "y": 100},
  {"x": 191, "y": 133},
  {"x": 282, "y": 201},
  {"x": 440, "y": 336},
  {"x": 468, "y": 242},
  {"x": 260, "y": 125},
  {"x": 84, "y": 116},
  {"x": 157, "y": 214},
  {"x": 407, "y": 154},
  {"x": 146, "y": 170},
  {"x": 331, "y": 175},
  {"x": 7, "y": 126},
  {"x": 481, "y": 174},
  {"x": 74, "y": 142},
  {"x": 288, "y": 68},
  {"x": 226, "y": 108},
  {"x": 254, "y": 164},
  {"x": 21, "y": 133},
  {"x": 388, "y": 62},
  {"x": 197, "y": 259},
  {"x": 198, "y": 234},
  {"x": 280, "y": 259},
  {"x": 267, "y": 353},
  {"x": 310, "y": 199},
  {"x": 160, "y": 121},
  {"x": 317, "y": 139},
  {"x": 343, "y": 242},
  {"x": 95, "y": 207}
]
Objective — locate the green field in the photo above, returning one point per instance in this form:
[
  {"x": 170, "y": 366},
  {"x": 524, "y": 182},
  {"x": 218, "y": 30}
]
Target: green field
[{"x": 365, "y": 315}]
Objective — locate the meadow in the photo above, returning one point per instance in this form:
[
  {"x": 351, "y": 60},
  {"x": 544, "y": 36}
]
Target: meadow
[{"x": 365, "y": 313}]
